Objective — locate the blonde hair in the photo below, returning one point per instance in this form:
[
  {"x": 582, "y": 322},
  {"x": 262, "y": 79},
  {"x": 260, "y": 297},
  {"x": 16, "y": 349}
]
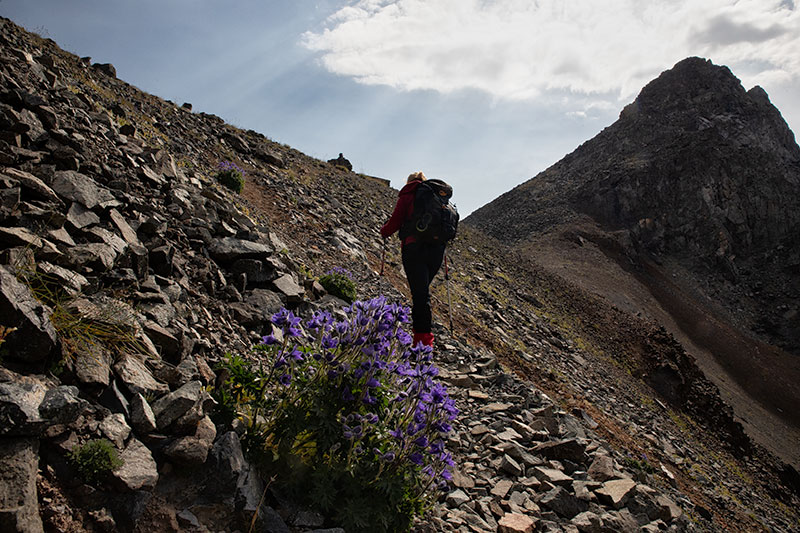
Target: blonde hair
[{"x": 416, "y": 176}]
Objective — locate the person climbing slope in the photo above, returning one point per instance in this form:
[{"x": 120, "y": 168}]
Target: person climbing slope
[{"x": 426, "y": 221}]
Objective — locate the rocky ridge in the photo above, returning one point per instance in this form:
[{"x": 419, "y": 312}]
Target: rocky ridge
[
  {"x": 696, "y": 169},
  {"x": 106, "y": 196}
]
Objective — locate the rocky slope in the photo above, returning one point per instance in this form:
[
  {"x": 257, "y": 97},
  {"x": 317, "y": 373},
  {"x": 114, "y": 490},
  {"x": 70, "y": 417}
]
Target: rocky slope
[
  {"x": 128, "y": 273},
  {"x": 695, "y": 168},
  {"x": 692, "y": 195}
]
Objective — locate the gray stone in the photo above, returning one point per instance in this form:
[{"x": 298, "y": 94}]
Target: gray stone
[
  {"x": 563, "y": 503},
  {"x": 150, "y": 175},
  {"x": 95, "y": 255},
  {"x": 169, "y": 346},
  {"x": 19, "y": 506},
  {"x": 258, "y": 273},
  {"x": 35, "y": 338},
  {"x": 141, "y": 415},
  {"x": 516, "y": 523},
  {"x": 62, "y": 405},
  {"x": 116, "y": 429},
  {"x": 269, "y": 520},
  {"x": 570, "y": 449},
  {"x": 98, "y": 234},
  {"x": 229, "y": 249},
  {"x": 667, "y": 510},
  {"x": 457, "y": 498},
  {"x": 584, "y": 490},
  {"x": 60, "y": 235},
  {"x": 206, "y": 430},
  {"x": 307, "y": 519},
  {"x": 588, "y": 522},
  {"x": 170, "y": 407},
  {"x": 187, "y": 519},
  {"x": 462, "y": 480},
  {"x": 501, "y": 488},
  {"x": 64, "y": 279},
  {"x": 92, "y": 366},
  {"x": 552, "y": 476},
  {"x": 34, "y": 184},
  {"x": 78, "y": 187},
  {"x": 19, "y": 409},
  {"x": 136, "y": 376},
  {"x": 614, "y": 493},
  {"x": 230, "y": 473},
  {"x": 188, "y": 451},
  {"x": 287, "y": 286},
  {"x": 80, "y": 217},
  {"x": 496, "y": 407},
  {"x": 227, "y": 463},
  {"x": 106, "y": 68},
  {"x": 19, "y": 237},
  {"x": 621, "y": 521},
  {"x": 124, "y": 228},
  {"x": 139, "y": 470},
  {"x": 187, "y": 370},
  {"x": 113, "y": 399},
  {"x": 509, "y": 434},
  {"x": 510, "y": 466},
  {"x": 602, "y": 468}
]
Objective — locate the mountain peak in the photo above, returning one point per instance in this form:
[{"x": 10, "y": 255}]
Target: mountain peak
[
  {"x": 696, "y": 95},
  {"x": 696, "y": 168}
]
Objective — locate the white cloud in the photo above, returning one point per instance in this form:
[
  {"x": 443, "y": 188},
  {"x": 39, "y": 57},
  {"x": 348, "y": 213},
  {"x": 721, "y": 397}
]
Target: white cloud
[{"x": 523, "y": 49}]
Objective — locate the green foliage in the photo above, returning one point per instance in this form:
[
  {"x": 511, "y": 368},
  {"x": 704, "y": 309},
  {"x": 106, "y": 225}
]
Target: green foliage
[
  {"x": 339, "y": 283},
  {"x": 95, "y": 459},
  {"x": 84, "y": 326},
  {"x": 643, "y": 465},
  {"x": 231, "y": 176},
  {"x": 346, "y": 414}
]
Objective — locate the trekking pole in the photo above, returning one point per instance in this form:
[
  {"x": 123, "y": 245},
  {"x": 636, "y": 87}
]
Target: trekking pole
[
  {"x": 383, "y": 255},
  {"x": 447, "y": 283}
]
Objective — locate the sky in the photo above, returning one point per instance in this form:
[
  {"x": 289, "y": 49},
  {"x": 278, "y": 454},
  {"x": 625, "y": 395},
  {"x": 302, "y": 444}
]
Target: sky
[{"x": 484, "y": 94}]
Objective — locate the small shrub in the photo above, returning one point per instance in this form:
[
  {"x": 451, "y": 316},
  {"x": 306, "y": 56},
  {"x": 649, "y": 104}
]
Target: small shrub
[
  {"x": 643, "y": 465},
  {"x": 95, "y": 459},
  {"x": 106, "y": 322},
  {"x": 346, "y": 414},
  {"x": 231, "y": 176},
  {"x": 339, "y": 282}
]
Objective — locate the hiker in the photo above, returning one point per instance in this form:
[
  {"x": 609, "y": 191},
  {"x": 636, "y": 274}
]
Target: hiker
[{"x": 421, "y": 260}]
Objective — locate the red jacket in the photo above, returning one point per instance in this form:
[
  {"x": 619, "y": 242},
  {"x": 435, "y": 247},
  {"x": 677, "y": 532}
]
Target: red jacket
[{"x": 402, "y": 211}]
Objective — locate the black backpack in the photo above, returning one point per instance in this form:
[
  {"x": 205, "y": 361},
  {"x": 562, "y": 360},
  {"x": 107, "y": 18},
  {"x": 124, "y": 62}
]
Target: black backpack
[{"x": 434, "y": 219}]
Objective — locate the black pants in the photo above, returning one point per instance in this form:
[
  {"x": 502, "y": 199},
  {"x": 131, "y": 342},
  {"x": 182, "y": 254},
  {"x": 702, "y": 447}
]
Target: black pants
[{"x": 421, "y": 261}]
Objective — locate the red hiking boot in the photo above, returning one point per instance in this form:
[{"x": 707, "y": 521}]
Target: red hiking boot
[{"x": 425, "y": 338}]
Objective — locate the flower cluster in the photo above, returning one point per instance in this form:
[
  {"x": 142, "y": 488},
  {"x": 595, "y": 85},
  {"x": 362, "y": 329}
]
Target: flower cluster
[
  {"x": 230, "y": 175},
  {"x": 226, "y": 166},
  {"x": 351, "y": 393},
  {"x": 341, "y": 271}
]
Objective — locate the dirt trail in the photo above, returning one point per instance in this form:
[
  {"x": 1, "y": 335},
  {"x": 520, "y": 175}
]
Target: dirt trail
[{"x": 655, "y": 297}]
